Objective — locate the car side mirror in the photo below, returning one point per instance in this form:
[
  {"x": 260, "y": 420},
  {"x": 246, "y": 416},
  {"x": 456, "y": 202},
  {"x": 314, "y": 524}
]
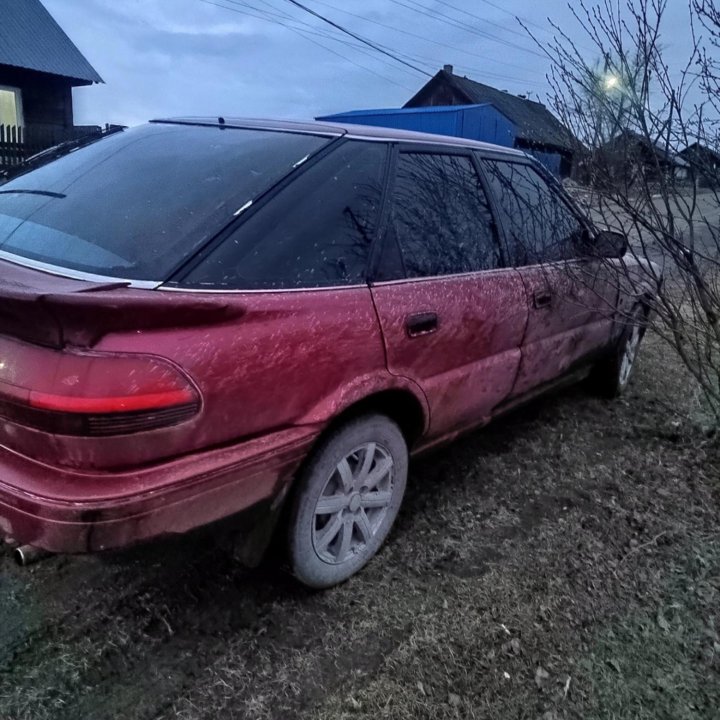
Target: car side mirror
[{"x": 608, "y": 244}]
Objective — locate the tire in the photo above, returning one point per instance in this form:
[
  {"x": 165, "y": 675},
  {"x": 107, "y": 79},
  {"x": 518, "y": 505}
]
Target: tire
[
  {"x": 611, "y": 376},
  {"x": 347, "y": 500}
]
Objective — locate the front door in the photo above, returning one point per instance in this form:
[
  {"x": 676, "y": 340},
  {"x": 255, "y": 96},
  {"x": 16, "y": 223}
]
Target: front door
[
  {"x": 452, "y": 317},
  {"x": 570, "y": 298}
]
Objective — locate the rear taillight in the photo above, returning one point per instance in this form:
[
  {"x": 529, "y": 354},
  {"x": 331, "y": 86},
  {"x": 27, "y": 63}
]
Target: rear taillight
[{"x": 74, "y": 393}]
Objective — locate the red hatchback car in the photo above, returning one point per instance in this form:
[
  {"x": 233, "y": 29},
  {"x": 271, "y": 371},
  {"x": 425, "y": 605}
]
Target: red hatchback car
[{"x": 204, "y": 317}]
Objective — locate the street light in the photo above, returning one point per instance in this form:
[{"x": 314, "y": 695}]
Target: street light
[{"x": 611, "y": 82}]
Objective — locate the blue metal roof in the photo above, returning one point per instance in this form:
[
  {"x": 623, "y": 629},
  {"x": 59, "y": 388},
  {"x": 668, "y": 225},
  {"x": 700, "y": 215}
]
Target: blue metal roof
[
  {"x": 482, "y": 122},
  {"x": 535, "y": 123},
  {"x": 30, "y": 38},
  {"x": 401, "y": 111}
]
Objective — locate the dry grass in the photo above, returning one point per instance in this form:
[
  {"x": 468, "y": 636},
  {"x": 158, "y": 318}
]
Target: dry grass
[{"x": 564, "y": 563}]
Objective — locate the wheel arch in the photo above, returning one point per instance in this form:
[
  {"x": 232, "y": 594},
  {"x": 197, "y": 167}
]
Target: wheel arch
[{"x": 400, "y": 405}]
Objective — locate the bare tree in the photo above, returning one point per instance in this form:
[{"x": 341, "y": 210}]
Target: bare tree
[{"x": 648, "y": 154}]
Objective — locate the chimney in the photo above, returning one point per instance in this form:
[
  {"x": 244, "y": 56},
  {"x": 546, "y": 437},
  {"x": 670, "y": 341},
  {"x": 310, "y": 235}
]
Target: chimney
[{"x": 448, "y": 69}]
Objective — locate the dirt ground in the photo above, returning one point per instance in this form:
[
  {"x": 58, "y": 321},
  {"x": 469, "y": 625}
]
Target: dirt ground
[{"x": 563, "y": 563}]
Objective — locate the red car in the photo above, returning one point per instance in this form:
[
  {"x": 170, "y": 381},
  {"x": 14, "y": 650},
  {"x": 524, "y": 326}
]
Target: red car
[{"x": 204, "y": 317}]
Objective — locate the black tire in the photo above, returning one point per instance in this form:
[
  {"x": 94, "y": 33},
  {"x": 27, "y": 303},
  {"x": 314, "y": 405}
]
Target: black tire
[
  {"x": 358, "y": 474},
  {"x": 611, "y": 376}
]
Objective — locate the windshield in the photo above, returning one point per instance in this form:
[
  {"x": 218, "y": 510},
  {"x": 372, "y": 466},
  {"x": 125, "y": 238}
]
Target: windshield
[{"x": 138, "y": 203}]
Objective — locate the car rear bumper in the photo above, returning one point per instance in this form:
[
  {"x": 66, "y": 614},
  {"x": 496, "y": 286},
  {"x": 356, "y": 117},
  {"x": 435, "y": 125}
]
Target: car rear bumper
[{"x": 69, "y": 511}]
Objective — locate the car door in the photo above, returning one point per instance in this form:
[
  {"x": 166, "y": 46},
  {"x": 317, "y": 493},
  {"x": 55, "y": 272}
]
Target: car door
[
  {"x": 452, "y": 317},
  {"x": 301, "y": 339},
  {"x": 571, "y": 298}
]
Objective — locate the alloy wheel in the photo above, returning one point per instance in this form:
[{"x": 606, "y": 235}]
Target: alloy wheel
[{"x": 353, "y": 503}]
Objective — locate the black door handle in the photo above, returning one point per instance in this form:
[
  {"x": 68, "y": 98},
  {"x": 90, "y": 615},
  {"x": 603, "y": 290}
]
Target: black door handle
[
  {"x": 542, "y": 299},
  {"x": 421, "y": 323}
]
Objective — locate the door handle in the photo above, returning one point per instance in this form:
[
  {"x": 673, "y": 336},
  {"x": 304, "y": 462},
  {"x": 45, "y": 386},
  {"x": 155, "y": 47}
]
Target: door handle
[
  {"x": 421, "y": 323},
  {"x": 542, "y": 299}
]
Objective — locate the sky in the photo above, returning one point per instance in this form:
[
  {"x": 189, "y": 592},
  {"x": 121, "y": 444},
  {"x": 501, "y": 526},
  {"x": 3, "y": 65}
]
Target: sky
[{"x": 270, "y": 58}]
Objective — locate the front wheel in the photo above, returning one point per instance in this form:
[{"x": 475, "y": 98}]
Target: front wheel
[
  {"x": 347, "y": 500},
  {"x": 612, "y": 375}
]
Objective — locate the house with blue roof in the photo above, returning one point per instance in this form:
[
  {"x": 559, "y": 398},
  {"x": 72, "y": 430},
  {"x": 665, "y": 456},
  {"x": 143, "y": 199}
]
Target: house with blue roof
[{"x": 449, "y": 104}]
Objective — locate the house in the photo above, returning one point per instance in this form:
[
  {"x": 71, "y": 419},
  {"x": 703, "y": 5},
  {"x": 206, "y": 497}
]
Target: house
[
  {"x": 39, "y": 67},
  {"x": 631, "y": 157},
  {"x": 534, "y": 128},
  {"x": 452, "y": 105},
  {"x": 704, "y": 164}
]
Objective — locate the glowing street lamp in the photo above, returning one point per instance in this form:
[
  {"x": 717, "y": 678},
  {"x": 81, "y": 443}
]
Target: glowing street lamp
[{"x": 611, "y": 82}]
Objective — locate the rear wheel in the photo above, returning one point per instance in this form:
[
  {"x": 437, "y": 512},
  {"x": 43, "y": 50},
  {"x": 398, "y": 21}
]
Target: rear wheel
[
  {"x": 612, "y": 375},
  {"x": 347, "y": 500}
]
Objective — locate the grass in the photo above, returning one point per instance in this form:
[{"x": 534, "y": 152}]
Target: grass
[{"x": 562, "y": 563}]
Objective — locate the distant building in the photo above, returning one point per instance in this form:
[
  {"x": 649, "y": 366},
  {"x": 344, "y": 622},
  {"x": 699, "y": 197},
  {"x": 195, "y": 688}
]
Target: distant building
[
  {"x": 449, "y": 104},
  {"x": 535, "y": 129},
  {"x": 703, "y": 164},
  {"x": 630, "y": 158},
  {"x": 39, "y": 66}
]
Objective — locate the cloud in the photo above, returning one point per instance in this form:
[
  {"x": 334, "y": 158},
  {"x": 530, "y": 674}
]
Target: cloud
[{"x": 189, "y": 57}]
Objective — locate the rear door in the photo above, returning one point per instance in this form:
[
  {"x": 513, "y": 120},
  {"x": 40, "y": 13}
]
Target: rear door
[
  {"x": 302, "y": 333},
  {"x": 452, "y": 317},
  {"x": 570, "y": 296}
]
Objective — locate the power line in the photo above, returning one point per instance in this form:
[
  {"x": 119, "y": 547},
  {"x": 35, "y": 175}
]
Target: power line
[
  {"x": 354, "y": 62},
  {"x": 422, "y": 59},
  {"x": 427, "y": 40},
  {"x": 519, "y": 18},
  {"x": 512, "y": 14},
  {"x": 452, "y": 22},
  {"x": 418, "y": 59},
  {"x": 306, "y": 34},
  {"x": 312, "y": 29},
  {"x": 284, "y": 19},
  {"x": 363, "y": 40},
  {"x": 484, "y": 20}
]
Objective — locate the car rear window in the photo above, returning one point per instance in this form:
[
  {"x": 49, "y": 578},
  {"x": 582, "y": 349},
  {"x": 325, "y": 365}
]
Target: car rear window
[
  {"x": 317, "y": 232},
  {"x": 136, "y": 204}
]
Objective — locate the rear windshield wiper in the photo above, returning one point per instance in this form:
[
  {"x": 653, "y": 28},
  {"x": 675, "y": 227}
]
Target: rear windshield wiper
[{"x": 47, "y": 193}]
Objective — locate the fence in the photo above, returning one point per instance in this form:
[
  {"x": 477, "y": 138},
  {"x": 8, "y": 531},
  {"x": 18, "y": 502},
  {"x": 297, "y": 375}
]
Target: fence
[{"x": 18, "y": 143}]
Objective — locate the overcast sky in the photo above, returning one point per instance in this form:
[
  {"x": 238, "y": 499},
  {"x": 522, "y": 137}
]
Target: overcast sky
[{"x": 190, "y": 57}]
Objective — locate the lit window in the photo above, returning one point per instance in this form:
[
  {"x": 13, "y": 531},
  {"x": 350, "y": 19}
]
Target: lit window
[{"x": 10, "y": 106}]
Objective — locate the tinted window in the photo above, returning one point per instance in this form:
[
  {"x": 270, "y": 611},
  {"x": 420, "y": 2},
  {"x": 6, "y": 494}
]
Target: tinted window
[
  {"x": 134, "y": 204},
  {"x": 440, "y": 218},
  {"x": 539, "y": 226},
  {"x": 316, "y": 232}
]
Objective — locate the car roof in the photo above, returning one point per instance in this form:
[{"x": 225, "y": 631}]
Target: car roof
[{"x": 363, "y": 132}]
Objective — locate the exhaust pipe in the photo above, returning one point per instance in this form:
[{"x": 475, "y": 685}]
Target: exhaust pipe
[{"x": 28, "y": 554}]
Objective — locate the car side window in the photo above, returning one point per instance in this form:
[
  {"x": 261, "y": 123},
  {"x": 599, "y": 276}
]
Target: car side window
[
  {"x": 316, "y": 232},
  {"x": 539, "y": 225},
  {"x": 441, "y": 220}
]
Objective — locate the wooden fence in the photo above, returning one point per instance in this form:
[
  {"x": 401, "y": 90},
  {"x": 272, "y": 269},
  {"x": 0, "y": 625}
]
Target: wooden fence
[{"x": 18, "y": 143}]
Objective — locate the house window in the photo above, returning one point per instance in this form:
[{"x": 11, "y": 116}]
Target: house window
[{"x": 10, "y": 106}]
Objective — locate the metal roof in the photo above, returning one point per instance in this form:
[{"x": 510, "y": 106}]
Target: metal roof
[
  {"x": 30, "y": 38},
  {"x": 350, "y": 130},
  {"x": 534, "y": 122}
]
